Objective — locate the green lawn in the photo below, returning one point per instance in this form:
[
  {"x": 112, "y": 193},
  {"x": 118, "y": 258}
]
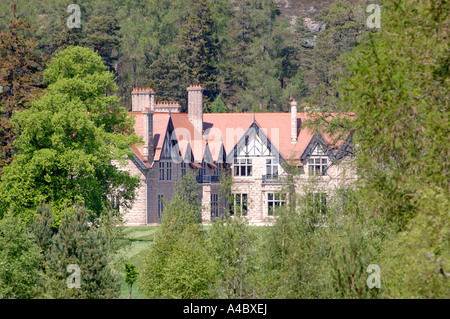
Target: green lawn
[{"x": 137, "y": 239}]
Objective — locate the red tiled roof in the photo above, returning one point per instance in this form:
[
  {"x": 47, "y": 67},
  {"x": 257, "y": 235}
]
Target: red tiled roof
[{"x": 228, "y": 128}]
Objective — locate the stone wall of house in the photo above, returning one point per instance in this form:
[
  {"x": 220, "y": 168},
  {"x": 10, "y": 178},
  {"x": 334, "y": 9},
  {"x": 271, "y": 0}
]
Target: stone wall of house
[
  {"x": 137, "y": 214},
  {"x": 145, "y": 208}
]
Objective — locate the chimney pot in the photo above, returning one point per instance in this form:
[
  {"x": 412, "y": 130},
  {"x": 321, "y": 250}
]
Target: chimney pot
[
  {"x": 294, "y": 128},
  {"x": 195, "y": 106},
  {"x": 142, "y": 98}
]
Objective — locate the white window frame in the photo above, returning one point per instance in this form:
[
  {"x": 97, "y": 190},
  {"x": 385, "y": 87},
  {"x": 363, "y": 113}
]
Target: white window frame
[
  {"x": 318, "y": 166},
  {"x": 240, "y": 200},
  {"x": 243, "y": 165},
  {"x": 319, "y": 202},
  {"x": 274, "y": 200},
  {"x": 272, "y": 167}
]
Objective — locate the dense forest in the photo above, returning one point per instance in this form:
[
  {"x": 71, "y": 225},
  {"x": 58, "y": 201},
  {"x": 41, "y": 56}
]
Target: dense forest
[
  {"x": 63, "y": 113},
  {"x": 247, "y": 54}
]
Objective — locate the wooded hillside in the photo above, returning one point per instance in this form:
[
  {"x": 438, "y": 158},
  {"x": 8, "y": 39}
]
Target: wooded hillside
[{"x": 250, "y": 55}]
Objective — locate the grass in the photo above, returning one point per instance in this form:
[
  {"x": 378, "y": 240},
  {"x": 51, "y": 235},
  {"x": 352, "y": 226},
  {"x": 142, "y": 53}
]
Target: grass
[{"x": 136, "y": 240}]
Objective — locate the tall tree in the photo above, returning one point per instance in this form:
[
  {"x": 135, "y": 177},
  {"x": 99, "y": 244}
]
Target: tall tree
[
  {"x": 344, "y": 27},
  {"x": 102, "y": 34},
  {"x": 81, "y": 244},
  {"x": 398, "y": 89},
  {"x": 20, "y": 78},
  {"x": 198, "y": 49},
  {"x": 69, "y": 139}
]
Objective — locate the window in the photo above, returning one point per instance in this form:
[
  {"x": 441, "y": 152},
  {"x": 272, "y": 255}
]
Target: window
[
  {"x": 217, "y": 170},
  {"x": 160, "y": 205},
  {"x": 318, "y": 166},
  {"x": 183, "y": 169},
  {"x": 169, "y": 171},
  {"x": 161, "y": 171},
  {"x": 273, "y": 201},
  {"x": 242, "y": 167},
  {"x": 272, "y": 167},
  {"x": 240, "y": 205},
  {"x": 165, "y": 170},
  {"x": 203, "y": 170},
  {"x": 318, "y": 202},
  {"x": 214, "y": 205}
]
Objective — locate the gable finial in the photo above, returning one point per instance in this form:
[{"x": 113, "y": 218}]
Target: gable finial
[{"x": 254, "y": 120}]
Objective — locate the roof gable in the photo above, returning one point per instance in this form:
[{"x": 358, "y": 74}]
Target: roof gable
[
  {"x": 224, "y": 131},
  {"x": 253, "y": 143}
]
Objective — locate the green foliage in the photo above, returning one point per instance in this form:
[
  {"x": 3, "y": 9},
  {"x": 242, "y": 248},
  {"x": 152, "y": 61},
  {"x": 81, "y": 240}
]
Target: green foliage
[
  {"x": 397, "y": 87},
  {"x": 294, "y": 257},
  {"x": 231, "y": 244},
  {"x": 233, "y": 47},
  {"x": 131, "y": 276},
  {"x": 416, "y": 264},
  {"x": 197, "y": 49},
  {"x": 19, "y": 261},
  {"x": 349, "y": 264},
  {"x": 20, "y": 75},
  {"x": 218, "y": 106},
  {"x": 81, "y": 244},
  {"x": 189, "y": 269},
  {"x": 43, "y": 229},
  {"x": 178, "y": 264},
  {"x": 68, "y": 140},
  {"x": 401, "y": 115}
]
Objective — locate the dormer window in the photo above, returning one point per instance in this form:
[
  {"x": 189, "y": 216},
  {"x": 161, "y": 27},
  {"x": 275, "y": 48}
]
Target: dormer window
[
  {"x": 318, "y": 166},
  {"x": 318, "y": 162}
]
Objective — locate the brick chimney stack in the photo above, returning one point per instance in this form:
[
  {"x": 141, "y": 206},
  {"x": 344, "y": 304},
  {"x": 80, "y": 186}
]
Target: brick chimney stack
[
  {"x": 294, "y": 128},
  {"x": 149, "y": 148},
  {"x": 142, "y": 98},
  {"x": 195, "y": 106}
]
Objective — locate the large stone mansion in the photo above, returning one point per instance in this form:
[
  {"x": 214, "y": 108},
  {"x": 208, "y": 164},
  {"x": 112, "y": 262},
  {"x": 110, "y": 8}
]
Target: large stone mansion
[{"x": 255, "y": 148}]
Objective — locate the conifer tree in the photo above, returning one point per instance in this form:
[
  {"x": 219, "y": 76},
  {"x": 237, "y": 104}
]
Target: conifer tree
[
  {"x": 79, "y": 243},
  {"x": 198, "y": 49},
  {"x": 20, "y": 70},
  {"x": 102, "y": 34}
]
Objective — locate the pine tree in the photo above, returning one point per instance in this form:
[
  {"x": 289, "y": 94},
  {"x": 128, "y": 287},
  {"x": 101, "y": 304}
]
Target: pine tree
[
  {"x": 77, "y": 242},
  {"x": 198, "y": 49},
  {"x": 166, "y": 75},
  {"x": 20, "y": 70},
  {"x": 43, "y": 229},
  {"x": 102, "y": 34}
]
